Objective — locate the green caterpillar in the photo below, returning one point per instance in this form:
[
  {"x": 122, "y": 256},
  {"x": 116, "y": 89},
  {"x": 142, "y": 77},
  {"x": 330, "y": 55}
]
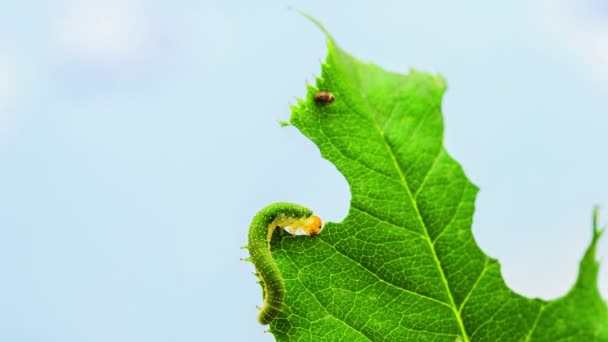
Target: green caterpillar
[{"x": 277, "y": 215}]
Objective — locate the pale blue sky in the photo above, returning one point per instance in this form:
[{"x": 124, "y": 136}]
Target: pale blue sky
[{"x": 139, "y": 138}]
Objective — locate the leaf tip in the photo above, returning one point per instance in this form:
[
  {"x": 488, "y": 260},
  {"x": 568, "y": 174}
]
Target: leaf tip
[
  {"x": 314, "y": 21},
  {"x": 597, "y": 231},
  {"x": 589, "y": 266}
]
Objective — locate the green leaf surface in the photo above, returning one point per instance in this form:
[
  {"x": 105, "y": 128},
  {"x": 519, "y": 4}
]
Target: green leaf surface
[{"x": 404, "y": 265}]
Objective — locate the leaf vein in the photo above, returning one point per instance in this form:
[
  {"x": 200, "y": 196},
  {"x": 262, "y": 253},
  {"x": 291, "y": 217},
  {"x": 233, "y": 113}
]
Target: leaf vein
[
  {"x": 489, "y": 320},
  {"x": 447, "y": 226},
  {"x": 330, "y": 313},
  {"x": 380, "y": 279},
  {"x": 427, "y": 174},
  {"x": 483, "y": 271},
  {"x": 363, "y": 211},
  {"x": 540, "y": 312}
]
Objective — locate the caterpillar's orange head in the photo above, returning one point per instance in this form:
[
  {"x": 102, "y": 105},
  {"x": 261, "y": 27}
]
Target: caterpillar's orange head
[{"x": 313, "y": 226}]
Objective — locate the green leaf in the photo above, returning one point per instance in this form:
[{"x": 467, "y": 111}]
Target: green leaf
[{"x": 404, "y": 265}]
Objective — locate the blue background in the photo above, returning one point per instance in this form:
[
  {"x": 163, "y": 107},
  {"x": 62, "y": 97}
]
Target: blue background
[{"x": 139, "y": 138}]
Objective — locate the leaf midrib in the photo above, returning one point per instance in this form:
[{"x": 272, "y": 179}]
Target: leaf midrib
[
  {"x": 418, "y": 216},
  {"x": 427, "y": 238}
]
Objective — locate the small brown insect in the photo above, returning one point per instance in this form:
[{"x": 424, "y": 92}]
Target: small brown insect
[{"x": 324, "y": 97}]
